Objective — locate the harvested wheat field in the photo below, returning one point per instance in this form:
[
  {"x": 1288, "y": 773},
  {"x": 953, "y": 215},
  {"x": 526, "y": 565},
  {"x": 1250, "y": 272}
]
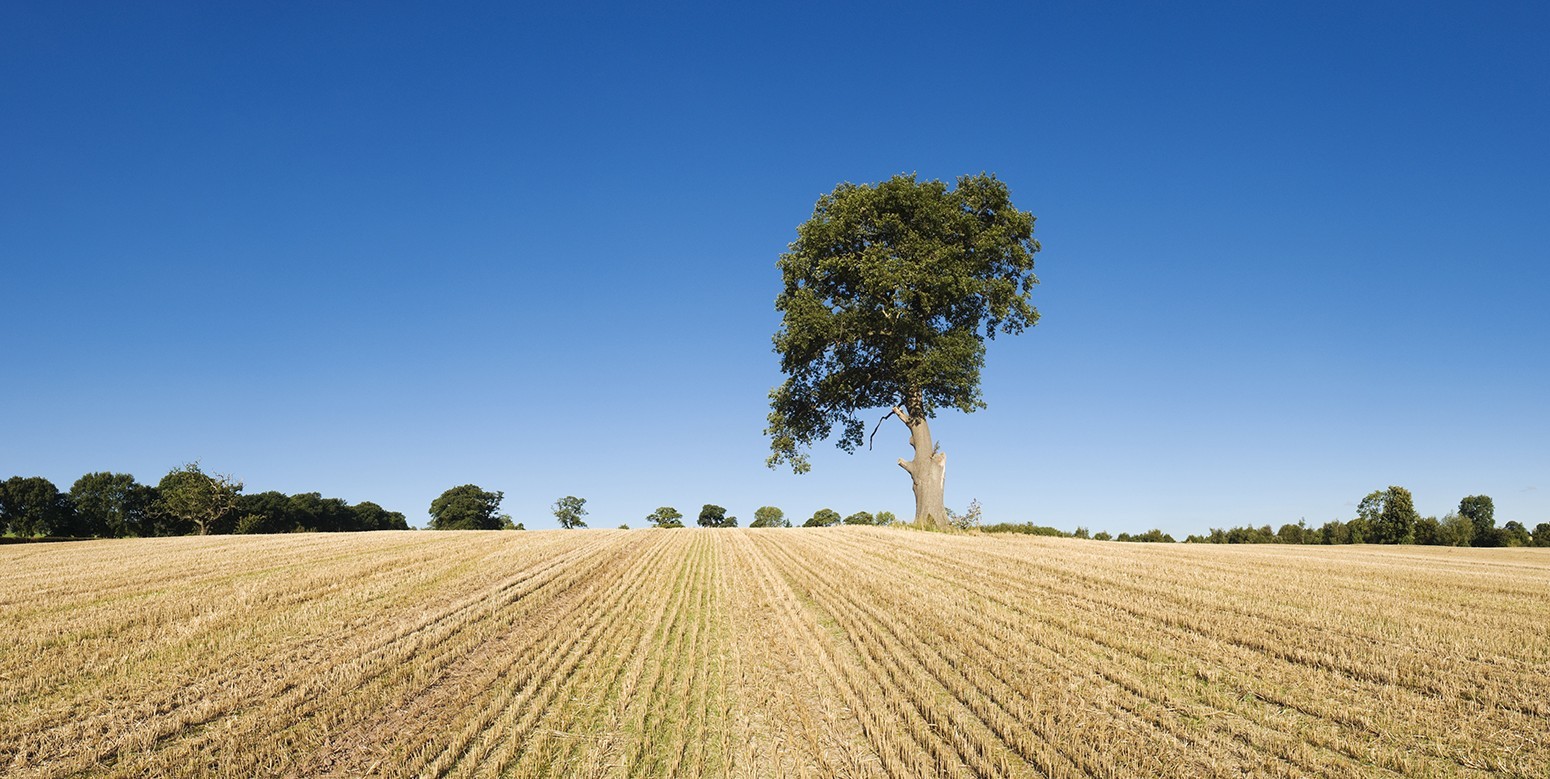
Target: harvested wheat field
[{"x": 835, "y": 652}]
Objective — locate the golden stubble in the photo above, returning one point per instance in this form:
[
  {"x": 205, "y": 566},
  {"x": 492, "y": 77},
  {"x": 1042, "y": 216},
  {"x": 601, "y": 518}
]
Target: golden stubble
[{"x": 843, "y": 652}]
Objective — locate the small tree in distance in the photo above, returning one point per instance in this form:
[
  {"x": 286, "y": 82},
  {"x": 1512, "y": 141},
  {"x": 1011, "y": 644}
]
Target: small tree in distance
[
  {"x": 1456, "y": 530},
  {"x": 1480, "y": 510},
  {"x": 190, "y": 496},
  {"x": 665, "y": 517},
  {"x": 112, "y": 504},
  {"x": 1515, "y": 534},
  {"x": 969, "y": 519},
  {"x": 569, "y": 511},
  {"x": 860, "y": 518},
  {"x": 769, "y": 516},
  {"x": 712, "y": 515},
  {"x": 33, "y": 506},
  {"x": 823, "y": 518},
  {"x": 1390, "y": 516},
  {"x": 467, "y": 507}
]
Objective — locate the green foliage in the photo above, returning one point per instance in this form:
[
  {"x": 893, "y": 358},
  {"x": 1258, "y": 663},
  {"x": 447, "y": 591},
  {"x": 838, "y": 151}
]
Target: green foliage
[
  {"x": 1456, "y": 530},
  {"x": 569, "y": 510},
  {"x": 1390, "y": 515},
  {"x": 623, "y": 526},
  {"x": 769, "y": 516},
  {"x": 1237, "y": 535},
  {"x": 886, "y": 518},
  {"x": 1515, "y": 534},
  {"x": 969, "y": 519},
  {"x": 860, "y": 518},
  {"x": 823, "y": 518},
  {"x": 1481, "y": 511},
  {"x": 712, "y": 515},
  {"x": 190, "y": 499},
  {"x": 250, "y": 524},
  {"x": 1541, "y": 535},
  {"x": 187, "y": 500},
  {"x": 1081, "y": 532},
  {"x": 889, "y": 293},
  {"x": 1299, "y": 533},
  {"x": 1154, "y": 536},
  {"x": 1358, "y": 531},
  {"x": 1030, "y": 529},
  {"x": 1428, "y": 532},
  {"x": 265, "y": 512},
  {"x": 370, "y": 516},
  {"x": 666, "y": 517},
  {"x": 111, "y": 504},
  {"x": 466, "y": 507},
  {"x": 1335, "y": 532},
  {"x": 312, "y": 511},
  {"x": 33, "y": 506},
  {"x": 1102, "y": 535}
]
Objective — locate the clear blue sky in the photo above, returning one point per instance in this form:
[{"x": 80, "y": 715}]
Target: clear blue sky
[{"x": 1293, "y": 252}]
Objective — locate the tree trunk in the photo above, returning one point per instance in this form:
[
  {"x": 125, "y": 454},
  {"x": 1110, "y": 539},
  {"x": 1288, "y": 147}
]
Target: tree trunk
[{"x": 928, "y": 470}]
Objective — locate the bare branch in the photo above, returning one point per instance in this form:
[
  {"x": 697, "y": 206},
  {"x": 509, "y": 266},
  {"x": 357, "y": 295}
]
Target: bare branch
[
  {"x": 894, "y": 412},
  {"x": 879, "y": 427}
]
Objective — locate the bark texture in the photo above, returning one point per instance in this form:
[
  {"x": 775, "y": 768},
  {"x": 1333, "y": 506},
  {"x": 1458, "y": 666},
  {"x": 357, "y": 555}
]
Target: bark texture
[{"x": 928, "y": 470}]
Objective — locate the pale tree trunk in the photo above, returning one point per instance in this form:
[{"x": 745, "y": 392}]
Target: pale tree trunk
[{"x": 928, "y": 470}]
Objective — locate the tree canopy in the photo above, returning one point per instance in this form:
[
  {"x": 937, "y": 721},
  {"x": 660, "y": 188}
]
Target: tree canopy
[
  {"x": 112, "y": 504},
  {"x": 823, "y": 518},
  {"x": 1390, "y": 516},
  {"x": 33, "y": 506},
  {"x": 769, "y": 516},
  {"x": 467, "y": 507},
  {"x": 190, "y": 498},
  {"x": 569, "y": 510},
  {"x": 889, "y": 294},
  {"x": 712, "y": 515},
  {"x": 666, "y": 517},
  {"x": 1480, "y": 510}
]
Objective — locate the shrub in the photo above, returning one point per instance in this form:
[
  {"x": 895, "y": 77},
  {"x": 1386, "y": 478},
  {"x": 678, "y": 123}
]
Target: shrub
[
  {"x": 969, "y": 519},
  {"x": 1030, "y": 529}
]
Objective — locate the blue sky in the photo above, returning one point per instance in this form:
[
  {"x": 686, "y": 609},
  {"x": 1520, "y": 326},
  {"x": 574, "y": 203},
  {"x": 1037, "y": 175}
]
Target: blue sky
[{"x": 1293, "y": 253}]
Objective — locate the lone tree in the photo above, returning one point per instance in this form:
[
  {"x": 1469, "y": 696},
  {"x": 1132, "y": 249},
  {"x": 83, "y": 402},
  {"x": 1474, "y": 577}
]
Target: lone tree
[
  {"x": 191, "y": 498},
  {"x": 666, "y": 517},
  {"x": 569, "y": 511},
  {"x": 769, "y": 516},
  {"x": 467, "y": 507},
  {"x": 890, "y": 292}
]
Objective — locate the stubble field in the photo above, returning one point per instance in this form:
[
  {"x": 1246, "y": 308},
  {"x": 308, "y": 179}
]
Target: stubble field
[{"x": 837, "y": 652}]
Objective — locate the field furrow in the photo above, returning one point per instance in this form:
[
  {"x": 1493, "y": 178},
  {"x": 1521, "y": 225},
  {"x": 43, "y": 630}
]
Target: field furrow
[{"x": 842, "y": 652}]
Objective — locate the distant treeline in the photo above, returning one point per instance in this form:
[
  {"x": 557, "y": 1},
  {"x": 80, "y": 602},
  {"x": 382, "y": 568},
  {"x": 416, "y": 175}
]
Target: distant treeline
[
  {"x": 1030, "y": 529},
  {"x": 186, "y": 501},
  {"x": 1383, "y": 517}
]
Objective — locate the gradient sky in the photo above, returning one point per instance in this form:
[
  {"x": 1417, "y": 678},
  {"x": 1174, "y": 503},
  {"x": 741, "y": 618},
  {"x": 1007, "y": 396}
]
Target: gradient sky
[{"x": 1293, "y": 252}]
